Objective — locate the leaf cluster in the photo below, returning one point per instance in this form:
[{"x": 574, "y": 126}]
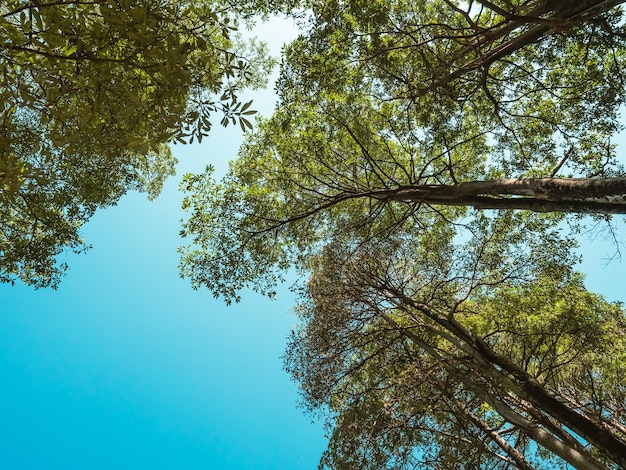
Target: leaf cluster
[
  {"x": 399, "y": 391},
  {"x": 431, "y": 336},
  {"x": 91, "y": 95}
]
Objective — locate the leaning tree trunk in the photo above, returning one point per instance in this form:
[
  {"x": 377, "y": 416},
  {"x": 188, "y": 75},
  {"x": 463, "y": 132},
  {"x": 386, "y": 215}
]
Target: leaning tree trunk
[
  {"x": 577, "y": 195},
  {"x": 522, "y": 27},
  {"x": 579, "y": 459},
  {"x": 529, "y": 388}
]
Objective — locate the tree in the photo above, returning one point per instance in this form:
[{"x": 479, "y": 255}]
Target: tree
[
  {"x": 92, "y": 93},
  {"x": 401, "y": 126},
  {"x": 348, "y": 142},
  {"x": 459, "y": 358}
]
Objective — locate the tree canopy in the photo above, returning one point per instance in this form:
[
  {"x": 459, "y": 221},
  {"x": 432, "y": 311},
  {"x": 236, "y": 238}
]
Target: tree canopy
[
  {"x": 460, "y": 357},
  {"x": 92, "y": 93},
  {"x": 351, "y": 144},
  {"x": 417, "y": 171}
]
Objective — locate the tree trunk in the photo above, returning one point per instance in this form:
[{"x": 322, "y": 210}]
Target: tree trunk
[
  {"x": 529, "y": 388},
  {"x": 580, "y": 460},
  {"x": 576, "y": 195},
  {"x": 534, "y": 25},
  {"x": 512, "y": 452},
  {"x": 572, "y": 456}
]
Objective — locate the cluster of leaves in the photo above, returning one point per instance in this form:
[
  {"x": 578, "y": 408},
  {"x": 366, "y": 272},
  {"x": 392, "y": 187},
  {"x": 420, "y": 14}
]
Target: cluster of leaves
[
  {"x": 436, "y": 60},
  {"x": 362, "y": 111},
  {"x": 91, "y": 95}
]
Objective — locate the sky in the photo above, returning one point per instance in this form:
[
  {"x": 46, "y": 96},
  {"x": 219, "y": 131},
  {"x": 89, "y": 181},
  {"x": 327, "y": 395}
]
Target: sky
[{"x": 125, "y": 366}]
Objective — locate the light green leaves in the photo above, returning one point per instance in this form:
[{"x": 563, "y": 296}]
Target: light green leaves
[
  {"x": 92, "y": 93},
  {"x": 378, "y": 96},
  {"x": 412, "y": 308}
]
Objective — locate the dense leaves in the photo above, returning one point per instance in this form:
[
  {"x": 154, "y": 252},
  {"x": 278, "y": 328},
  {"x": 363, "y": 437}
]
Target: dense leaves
[
  {"x": 433, "y": 334},
  {"x": 388, "y": 342},
  {"x": 347, "y": 134},
  {"x": 91, "y": 93}
]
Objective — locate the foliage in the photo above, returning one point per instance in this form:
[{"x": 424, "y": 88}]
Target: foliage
[
  {"x": 91, "y": 94},
  {"x": 347, "y": 128},
  {"x": 436, "y": 334},
  {"x": 403, "y": 390}
]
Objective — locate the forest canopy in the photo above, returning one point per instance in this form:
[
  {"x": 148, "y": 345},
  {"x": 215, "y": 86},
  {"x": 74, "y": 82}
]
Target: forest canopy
[{"x": 418, "y": 172}]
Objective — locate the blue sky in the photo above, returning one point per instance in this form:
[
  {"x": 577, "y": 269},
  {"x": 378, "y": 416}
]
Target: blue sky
[{"x": 125, "y": 366}]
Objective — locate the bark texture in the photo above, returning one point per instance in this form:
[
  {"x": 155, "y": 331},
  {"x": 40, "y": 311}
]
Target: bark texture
[{"x": 577, "y": 195}]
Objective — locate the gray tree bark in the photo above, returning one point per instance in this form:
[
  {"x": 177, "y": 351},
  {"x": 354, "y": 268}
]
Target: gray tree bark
[{"x": 577, "y": 195}]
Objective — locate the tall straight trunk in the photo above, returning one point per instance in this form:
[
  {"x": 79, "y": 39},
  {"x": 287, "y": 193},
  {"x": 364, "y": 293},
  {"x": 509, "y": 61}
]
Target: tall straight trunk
[{"x": 576, "y": 195}]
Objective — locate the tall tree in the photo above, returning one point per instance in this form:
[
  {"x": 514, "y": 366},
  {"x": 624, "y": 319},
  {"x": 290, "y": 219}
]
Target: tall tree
[
  {"x": 399, "y": 124},
  {"x": 91, "y": 95},
  {"x": 460, "y": 357},
  {"x": 349, "y": 143}
]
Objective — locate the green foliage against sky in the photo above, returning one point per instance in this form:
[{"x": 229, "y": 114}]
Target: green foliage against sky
[
  {"x": 396, "y": 344},
  {"x": 437, "y": 332},
  {"x": 91, "y": 95},
  {"x": 362, "y": 112},
  {"x": 432, "y": 332}
]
